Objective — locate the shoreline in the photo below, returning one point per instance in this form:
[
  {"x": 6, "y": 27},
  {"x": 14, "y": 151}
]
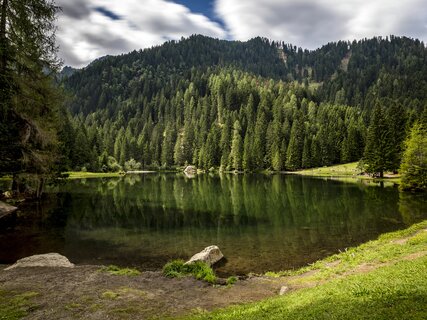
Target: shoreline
[{"x": 89, "y": 293}]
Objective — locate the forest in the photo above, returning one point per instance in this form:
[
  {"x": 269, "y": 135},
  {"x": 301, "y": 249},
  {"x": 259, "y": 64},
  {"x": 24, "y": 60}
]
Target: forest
[
  {"x": 246, "y": 106},
  {"x": 216, "y": 104}
]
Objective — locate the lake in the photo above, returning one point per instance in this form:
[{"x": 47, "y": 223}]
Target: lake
[{"x": 260, "y": 222}]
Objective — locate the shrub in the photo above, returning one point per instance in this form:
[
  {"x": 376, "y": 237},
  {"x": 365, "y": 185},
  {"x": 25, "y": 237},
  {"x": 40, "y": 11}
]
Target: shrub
[
  {"x": 198, "y": 269},
  {"x": 231, "y": 280}
]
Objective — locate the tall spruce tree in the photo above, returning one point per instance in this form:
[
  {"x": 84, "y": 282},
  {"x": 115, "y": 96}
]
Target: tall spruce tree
[
  {"x": 414, "y": 162},
  {"x": 378, "y": 153},
  {"x": 28, "y": 101},
  {"x": 236, "y": 146}
]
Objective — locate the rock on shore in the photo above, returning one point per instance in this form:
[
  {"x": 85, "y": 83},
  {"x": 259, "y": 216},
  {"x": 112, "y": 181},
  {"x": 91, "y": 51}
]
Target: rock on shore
[
  {"x": 209, "y": 255},
  {"x": 43, "y": 260}
]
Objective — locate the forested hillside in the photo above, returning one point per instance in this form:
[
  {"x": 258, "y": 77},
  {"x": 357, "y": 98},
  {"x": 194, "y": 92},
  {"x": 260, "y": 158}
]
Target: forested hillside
[{"x": 245, "y": 105}]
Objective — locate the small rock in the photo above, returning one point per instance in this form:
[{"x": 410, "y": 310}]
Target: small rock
[
  {"x": 43, "y": 260},
  {"x": 6, "y": 209},
  {"x": 210, "y": 255},
  {"x": 283, "y": 290},
  {"x": 8, "y": 194}
]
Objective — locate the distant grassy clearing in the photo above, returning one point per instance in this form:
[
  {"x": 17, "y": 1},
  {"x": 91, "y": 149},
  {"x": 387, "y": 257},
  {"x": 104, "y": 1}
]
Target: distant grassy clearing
[
  {"x": 346, "y": 172},
  {"x": 84, "y": 175}
]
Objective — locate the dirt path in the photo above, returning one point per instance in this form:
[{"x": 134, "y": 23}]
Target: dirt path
[{"x": 84, "y": 292}]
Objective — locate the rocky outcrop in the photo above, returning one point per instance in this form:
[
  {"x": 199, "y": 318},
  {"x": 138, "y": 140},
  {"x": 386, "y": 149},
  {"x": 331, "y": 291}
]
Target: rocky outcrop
[
  {"x": 209, "y": 255},
  {"x": 6, "y": 209},
  {"x": 43, "y": 260}
]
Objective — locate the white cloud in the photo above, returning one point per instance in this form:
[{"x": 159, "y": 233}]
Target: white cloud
[
  {"x": 312, "y": 23},
  {"x": 89, "y": 29},
  {"x": 85, "y": 32}
]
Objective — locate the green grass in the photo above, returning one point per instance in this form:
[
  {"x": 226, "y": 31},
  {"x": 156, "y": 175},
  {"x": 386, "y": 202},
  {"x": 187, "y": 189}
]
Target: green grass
[
  {"x": 348, "y": 169},
  {"x": 387, "y": 248},
  {"x": 397, "y": 291},
  {"x": 231, "y": 280},
  {"x": 382, "y": 279},
  {"x": 198, "y": 269},
  {"x": 15, "y": 305},
  {"x": 347, "y": 172},
  {"x": 118, "y": 271},
  {"x": 85, "y": 175}
]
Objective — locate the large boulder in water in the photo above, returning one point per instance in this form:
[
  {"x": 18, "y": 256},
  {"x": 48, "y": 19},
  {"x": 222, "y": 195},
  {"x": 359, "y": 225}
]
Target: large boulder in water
[
  {"x": 43, "y": 260},
  {"x": 209, "y": 255},
  {"x": 190, "y": 170}
]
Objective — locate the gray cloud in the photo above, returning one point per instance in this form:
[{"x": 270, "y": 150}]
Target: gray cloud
[
  {"x": 312, "y": 23},
  {"x": 93, "y": 28},
  {"x": 86, "y": 32},
  {"x": 108, "y": 41},
  {"x": 77, "y": 9}
]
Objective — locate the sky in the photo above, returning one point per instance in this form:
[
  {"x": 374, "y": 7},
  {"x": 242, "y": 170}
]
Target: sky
[{"x": 89, "y": 29}]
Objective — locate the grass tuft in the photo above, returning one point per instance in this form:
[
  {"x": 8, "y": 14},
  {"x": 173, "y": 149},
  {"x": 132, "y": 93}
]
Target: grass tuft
[
  {"x": 16, "y": 305},
  {"x": 231, "y": 280},
  {"x": 198, "y": 269},
  {"x": 118, "y": 271}
]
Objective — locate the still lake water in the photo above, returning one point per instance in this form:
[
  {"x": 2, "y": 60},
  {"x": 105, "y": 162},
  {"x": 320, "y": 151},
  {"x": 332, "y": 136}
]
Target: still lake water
[{"x": 260, "y": 222}]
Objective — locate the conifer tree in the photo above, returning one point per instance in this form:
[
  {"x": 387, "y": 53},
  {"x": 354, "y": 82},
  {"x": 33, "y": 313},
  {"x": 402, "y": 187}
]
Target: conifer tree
[
  {"x": 296, "y": 144},
  {"x": 378, "y": 156},
  {"x": 236, "y": 146},
  {"x": 414, "y": 161}
]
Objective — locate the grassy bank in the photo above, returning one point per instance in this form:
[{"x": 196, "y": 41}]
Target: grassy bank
[
  {"x": 346, "y": 172},
  {"x": 85, "y": 175},
  {"x": 382, "y": 279}
]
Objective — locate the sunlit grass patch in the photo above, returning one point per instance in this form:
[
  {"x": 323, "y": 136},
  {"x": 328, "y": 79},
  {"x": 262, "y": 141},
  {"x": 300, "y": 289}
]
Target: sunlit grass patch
[
  {"x": 200, "y": 270},
  {"x": 398, "y": 291},
  {"x": 85, "y": 175},
  {"x": 118, "y": 271},
  {"x": 16, "y": 305}
]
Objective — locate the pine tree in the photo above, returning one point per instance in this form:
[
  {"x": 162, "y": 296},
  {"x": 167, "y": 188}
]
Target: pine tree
[
  {"x": 378, "y": 156},
  {"x": 396, "y": 121},
  {"x": 414, "y": 161},
  {"x": 296, "y": 144},
  {"x": 28, "y": 99},
  {"x": 236, "y": 146}
]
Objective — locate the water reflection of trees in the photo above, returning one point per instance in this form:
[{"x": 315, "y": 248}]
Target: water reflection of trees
[
  {"x": 260, "y": 222},
  {"x": 168, "y": 201}
]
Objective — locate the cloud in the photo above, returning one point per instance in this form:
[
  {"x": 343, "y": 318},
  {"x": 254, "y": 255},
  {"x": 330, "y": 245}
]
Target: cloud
[
  {"x": 89, "y": 29},
  {"x": 312, "y": 23}
]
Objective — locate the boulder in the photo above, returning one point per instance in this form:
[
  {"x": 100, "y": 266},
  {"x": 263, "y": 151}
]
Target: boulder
[
  {"x": 43, "y": 260},
  {"x": 283, "y": 290},
  {"x": 6, "y": 209},
  {"x": 209, "y": 255},
  {"x": 190, "y": 170}
]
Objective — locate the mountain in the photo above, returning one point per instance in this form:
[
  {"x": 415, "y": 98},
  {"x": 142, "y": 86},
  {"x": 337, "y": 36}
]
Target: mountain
[{"x": 240, "y": 105}]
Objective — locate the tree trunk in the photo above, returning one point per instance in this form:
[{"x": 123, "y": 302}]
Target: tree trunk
[
  {"x": 3, "y": 38},
  {"x": 40, "y": 188}
]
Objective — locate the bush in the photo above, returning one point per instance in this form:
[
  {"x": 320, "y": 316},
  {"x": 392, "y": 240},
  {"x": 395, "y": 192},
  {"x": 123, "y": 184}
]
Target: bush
[{"x": 198, "y": 269}]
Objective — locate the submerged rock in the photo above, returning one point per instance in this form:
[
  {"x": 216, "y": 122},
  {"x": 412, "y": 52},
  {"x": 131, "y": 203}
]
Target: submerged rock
[
  {"x": 43, "y": 260},
  {"x": 6, "y": 209},
  {"x": 209, "y": 255}
]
